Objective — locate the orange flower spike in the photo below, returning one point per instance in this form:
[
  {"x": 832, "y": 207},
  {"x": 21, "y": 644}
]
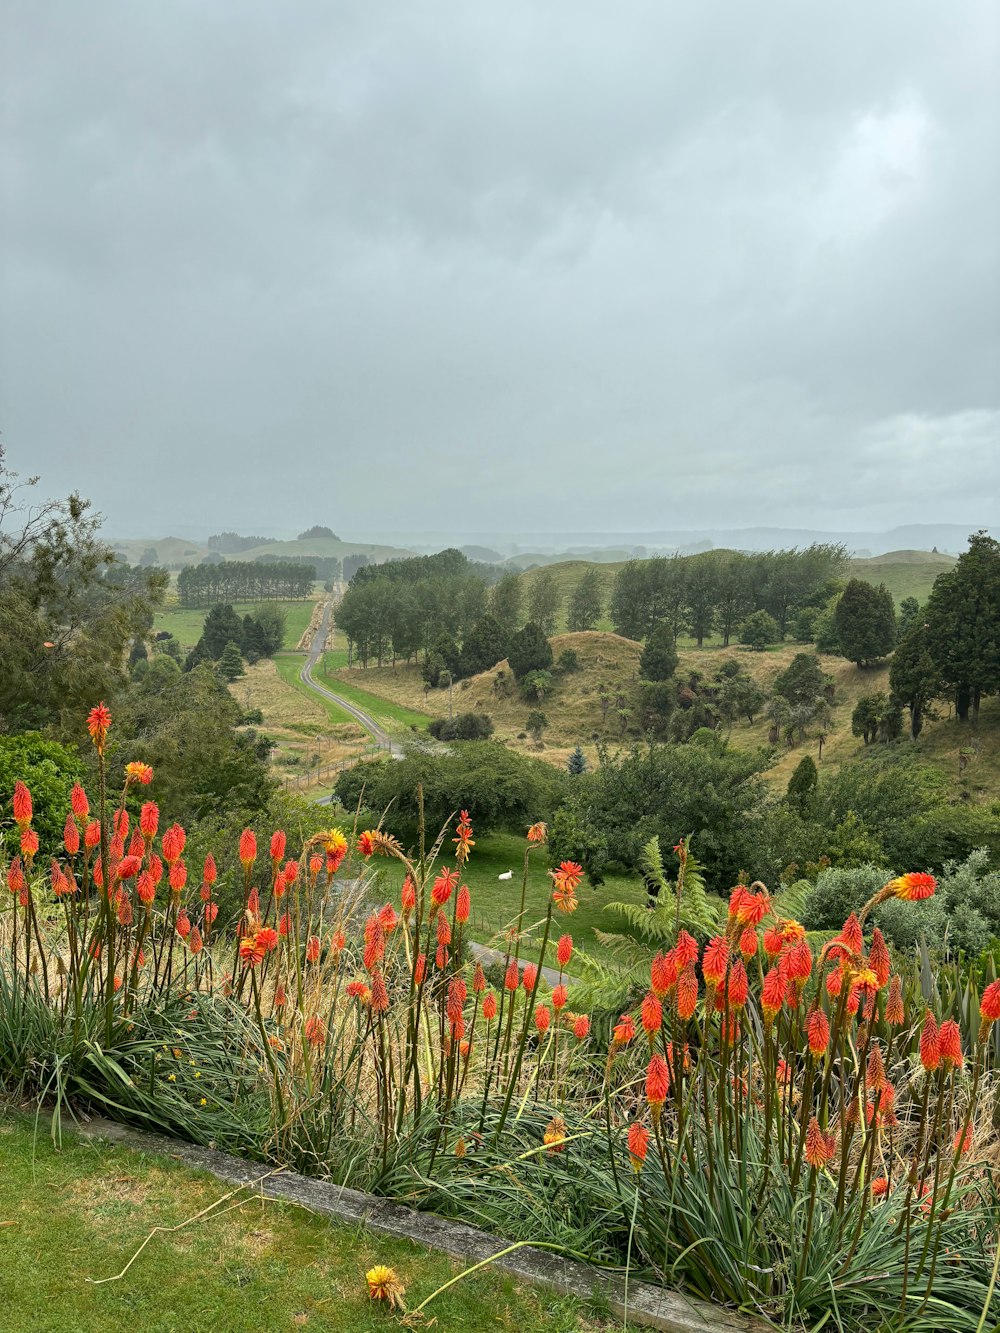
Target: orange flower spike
[
  {"x": 248, "y": 848},
  {"x": 736, "y": 897},
  {"x": 543, "y": 1018},
  {"x": 567, "y": 875},
  {"x": 538, "y": 832},
  {"x": 950, "y": 1045},
  {"x": 581, "y": 1027},
  {"x": 183, "y": 924},
  {"x": 651, "y": 1015},
  {"x": 267, "y": 937},
  {"x": 490, "y": 1007},
  {"x": 251, "y": 952},
  {"x": 875, "y": 1069},
  {"x": 564, "y": 950},
  {"x": 367, "y": 843},
  {"x": 29, "y": 843},
  {"x": 559, "y": 997},
  {"x": 638, "y": 1145},
  {"x": 420, "y": 969},
  {"x": 388, "y": 919},
  {"x": 195, "y": 943},
  {"x": 314, "y": 1030},
  {"x": 79, "y": 803},
  {"x": 312, "y": 949},
  {"x": 818, "y": 1032},
  {"x": 71, "y": 836},
  {"x": 774, "y": 941},
  {"x": 851, "y": 936},
  {"x": 930, "y": 1044},
  {"x": 685, "y": 950},
  {"x": 380, "y": 992},
  {"x": 529, "y": 977},
  {"x": 662, "y": 973},
  {"x": 138, "y": 772},
  {"x": 914, "y": 887},
  {"x": 715, "y": 960},
  {"x": 880, "y": 1187},
  {"x": 748, "y": 943},
  {"x": 687, "y": 993},
  {"x": 894, "y": 1003},
  {"x": 739, "y": 986},
  {"x": 820, "y": 1147},
  {"x": 989, "y": 1005},
  {"x": 22, "y": 805},
  {"x": 657, "y": 1083},
  {"x": 512, "y": 978},
  {"x": 772, "y": 995},
  {"x": 408, "y": 896},
  {"x": 878, "y": 958},
  {"x": 99, "y": 724},
  {"x": 443, "y": 886},
  {"x": 753, "y": 908},
  {"x": 277, "y": 847},
  {"x": 173, "y": 843},
  {"x": 624, "y": 1031},
  {"x": 463, "y": 905}
]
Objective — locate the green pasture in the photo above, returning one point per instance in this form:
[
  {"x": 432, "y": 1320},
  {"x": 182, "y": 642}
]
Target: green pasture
[{"x": 71, "y": 1219}]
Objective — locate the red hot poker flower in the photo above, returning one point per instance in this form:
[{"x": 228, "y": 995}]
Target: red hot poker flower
[
  {"x": 367, "y": 842},
  {"x": 314, "y": 1030},
  {"x": 512, "y": 978},
  {"x": 950, "y": 1044},
  {"x": 878, "y": 958},
  {"x": 277, "y": 848},
  {"x": 490, "y": 1007},
  {"x": 564, "y": 949},
  {"x": 818, "y": 1032},
  {"x": 173, "y": 843},
  {"x": 529, "y": 977},
  {"x": 914, "y": 887},
  {"x": 248, "y": 848},
  {"x": 22, "y": 805},
  {"x": 139, "y": 772},
  {"x": 71, "y": 836},
  {"x": 820, "y": 1147},
  {"x": 581, "y": 1027},
  {"x": 624, "y": 1030},
  {"x": 542, "y": 1019},
  {"x": 78, "y": 801},
  {"x": 685, "y": 950},
  {"x": 651, "y": 1015},
  {"x": 774, "y": 941},
  {"x": 443, "y": 886},
  {"x": 894, "y": 1003},
  {"x": 463, "y": 905},
  {"x": 312, "y": 949},
  {"x": 657, "y": 1082},
  {"x": 748, "y": 942},
  {"x": 714, "y": 960},
  {"x": 687, "y": 993},
  {"x": 559, "y": 997},
  {"x": 930, "y": 1044},
  {"x": 29, "y": 843},
  {"x": 989, "y": 1005},
  {"x": 638, "y": 1145},
  {"x": 772, "y": 995},
  {"x": 98, "y": 724}
]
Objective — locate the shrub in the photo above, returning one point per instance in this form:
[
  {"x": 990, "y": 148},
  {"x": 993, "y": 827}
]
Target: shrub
[
  {"x": 759, "y": 631},
  {"x": 529, "y": 650},
  {"x": 462, "y": 727}
]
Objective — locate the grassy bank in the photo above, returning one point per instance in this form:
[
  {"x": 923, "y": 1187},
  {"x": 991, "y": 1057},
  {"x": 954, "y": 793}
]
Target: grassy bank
[
  {"x": 78, "y": 1215},
  {"x": 185, "y": 623}
]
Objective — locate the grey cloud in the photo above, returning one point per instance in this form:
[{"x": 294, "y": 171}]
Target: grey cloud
[{"x": 583, "y": 264}]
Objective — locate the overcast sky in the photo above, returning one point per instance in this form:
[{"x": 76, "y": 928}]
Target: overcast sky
[{"x": 527, "y": 264}]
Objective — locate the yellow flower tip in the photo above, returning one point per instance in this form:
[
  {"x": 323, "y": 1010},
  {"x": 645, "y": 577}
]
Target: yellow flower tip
[{"x": 384, "y": 1285}]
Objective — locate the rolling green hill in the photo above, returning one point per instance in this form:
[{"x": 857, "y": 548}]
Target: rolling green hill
[{"x": 904, "y": 573}]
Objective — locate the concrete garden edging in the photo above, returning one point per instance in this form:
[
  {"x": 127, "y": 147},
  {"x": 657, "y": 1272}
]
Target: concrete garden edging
[{"x": 648, "y": 1306}]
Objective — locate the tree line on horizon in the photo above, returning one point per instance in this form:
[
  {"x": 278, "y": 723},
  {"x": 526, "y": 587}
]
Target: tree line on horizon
[{"x": 245, "y": 581}]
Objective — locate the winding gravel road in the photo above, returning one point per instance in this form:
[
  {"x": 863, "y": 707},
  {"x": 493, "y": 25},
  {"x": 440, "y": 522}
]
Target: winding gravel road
[{"x": 360, "y": 716}]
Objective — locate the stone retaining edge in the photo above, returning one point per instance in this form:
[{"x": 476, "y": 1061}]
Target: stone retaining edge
[{"x": 648, "y": 1305}]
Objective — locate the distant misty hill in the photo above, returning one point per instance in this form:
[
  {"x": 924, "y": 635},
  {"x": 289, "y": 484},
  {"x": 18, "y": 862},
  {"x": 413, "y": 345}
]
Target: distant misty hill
[{"x": 949, "y": 537}]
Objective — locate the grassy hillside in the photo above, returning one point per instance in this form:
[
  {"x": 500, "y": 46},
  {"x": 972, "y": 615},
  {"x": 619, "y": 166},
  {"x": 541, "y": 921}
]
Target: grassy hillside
[
  {"x": 567, "y": 575},
  {"x": 185, "y": 623},
  {"x": 574, "y": 711},
  {"x": 904, "y": 573},
  {"x": 169, "y": 550},
  {"x": 322, "y": 546}
]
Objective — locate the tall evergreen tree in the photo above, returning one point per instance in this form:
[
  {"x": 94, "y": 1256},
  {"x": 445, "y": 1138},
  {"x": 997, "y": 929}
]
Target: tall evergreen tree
[
  {"x": 586, "y": 602},
  {"x": 544, "y": 600},
  {"x": 231, "y": 662},
  {"x": 505, "y": 603},
  {"x": 963, "y": 618},
  {"x": 659, "y": 657},
  {"x": 914, "y": 677},
  {"x": 865, "y": 622}
]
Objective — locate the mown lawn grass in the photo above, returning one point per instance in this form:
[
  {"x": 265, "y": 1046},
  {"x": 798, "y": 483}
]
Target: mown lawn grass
[
  {"x": 260, "y": 1267},
  {"x": 495, "y": 902},
  {"x": 185, "y": 623}
]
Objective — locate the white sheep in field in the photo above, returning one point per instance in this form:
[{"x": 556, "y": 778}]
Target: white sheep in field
[{"x": 507, "y": 874}]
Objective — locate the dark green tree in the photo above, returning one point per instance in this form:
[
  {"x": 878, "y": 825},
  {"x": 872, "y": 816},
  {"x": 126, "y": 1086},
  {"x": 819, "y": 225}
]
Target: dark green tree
[
  {"x": 877, "y": 717},
  {"x": 909, "y": 616},
  {"x": 865, "y": 622},
  {"x": 505, "y": 603},
  {"x": 231, "y": 662},
  {"x": 536, "y": 724},
  {"x": 801, "y": 790},
  {"x": 702, "y": 595},
  {"x": 577, "y": 762},
  {"x": 49, "y": 770},
  {"x": 222, "y": 626},
  {"x": 914, "y": 677},
  {"x": 963, "y": 618},
  {"x": 659, "y": 656},
  {"x": 529, "y": 650},
  {"x": 802, "y": 682},
  {"x": 759, "y": 630},
  {"x": 484, "y": 646},
  {"x": 586, "y": 602},
  {"x": 544, "y": 600}
]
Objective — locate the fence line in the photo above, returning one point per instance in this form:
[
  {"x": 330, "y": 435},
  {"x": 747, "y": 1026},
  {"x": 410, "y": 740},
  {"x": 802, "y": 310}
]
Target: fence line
[{"x": 314, "y": 776}]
